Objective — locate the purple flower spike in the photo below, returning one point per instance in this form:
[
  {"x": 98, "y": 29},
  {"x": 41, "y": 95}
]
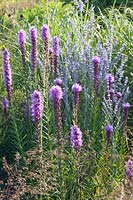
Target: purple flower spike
[
  {"x": 119, "y": 95},
  {"x": 21, "y": 42},
  {"x": 111, "y": 91},
  {"x": 45, "y": 37},
  {"x": 126, "y": 107},
  {"x": 7, "y": 73},
  {"x": 110, "y": 79},
  {"x": 96, "y": 61},
  {"x": 21, "y": 37},
  {"x": 76, "y": 137},
  {"x": 109, "y": 130},
  {"x": 36, "y": 106},
  {"x": 34, "y": 51},
  {"x": 58, "y": 81},
  {"x": 129, "y": 173},
  {"x": 5, "y": 104},
  {"x": 76, "y": 88},
  {"x": 55, "y": 45},
  {"x": 51, "y": 57},
  {"x": 56, "y": 51},
  {"x": 129, "y": 169},
  {"x": 45, "y": 32},
  {"x": 130, "y": 163},
  {"x": 56, "y": 93}
]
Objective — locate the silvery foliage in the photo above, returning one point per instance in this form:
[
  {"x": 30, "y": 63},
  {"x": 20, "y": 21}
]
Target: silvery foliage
[{"x": 81, "y": 44}]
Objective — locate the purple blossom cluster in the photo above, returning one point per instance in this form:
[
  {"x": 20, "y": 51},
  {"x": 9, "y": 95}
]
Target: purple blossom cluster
[
  {"x": 96, "y": 61},
  {"x": 5, "y": 105},
  {"x": 58, "y": 81},
  {"x": 76, "y": 88},
  {"x": 129, "y": 169},
  {"x": 126, "y": 107},
  {"x": 7, "y": 75},
  {"x": 34, "y": 50},
  {"x": 76, "y": 137},
  {"x": 119, "y": 95},
  {"x": 36, "y": 106},
  {"x": 51, "y": 57},
  {"x": 55, "y": 93},
  {"x": 56, "y": 51},
  {"x": 22, "y": 42},
  {"x": 45, "y": 37},
  {"x": 109, "y": 131},
  {"x": 110, "y": 79}
]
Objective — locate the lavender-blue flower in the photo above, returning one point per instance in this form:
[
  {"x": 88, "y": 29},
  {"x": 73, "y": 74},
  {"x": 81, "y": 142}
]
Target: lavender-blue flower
[
  {"x": 34, "y": 50},
  {"x": 7, "y": 73},
  {"x": 36, "y": 106}
]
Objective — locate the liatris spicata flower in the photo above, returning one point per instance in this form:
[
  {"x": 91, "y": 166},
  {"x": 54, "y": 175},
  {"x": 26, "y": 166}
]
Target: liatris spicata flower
[
  {"x": 5, "y": 104},
  {"x": 109, "y": 130},
  {"x": 129, "y": 173},
  {"x": 55, "y": 95},
  {"x": 58, "y": 81},
  {"x": 130, "y": 163},
  {"x": 76, "y": 88},
  {"x": 76, "y": 137},
  {"x": 36, "y": 114},
  {"x": 129, "y": 169},
  {"x": 55, "y": 47},
  {"x": 45, "y": 37},
  {"x": 34, "y": 51},
  {"x": 119, "y": 95},
  {"x": 51, "y": 56},
  {"x": 21, "y": 42},
  {"x": 110, "y": 79},
  {"x": 96, "y": 61},
  {"x": 126, "y": 107},
  {"x": 111, "y": 92},
  {"x": 7, "y": 73},
  {"x": 36, "y": 106}
]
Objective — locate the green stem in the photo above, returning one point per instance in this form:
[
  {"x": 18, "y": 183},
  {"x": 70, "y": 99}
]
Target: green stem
[{"x": 16, "y": 131}]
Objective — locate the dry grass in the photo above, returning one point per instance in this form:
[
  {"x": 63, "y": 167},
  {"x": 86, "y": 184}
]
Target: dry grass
[{"x": 11, "y": 6}]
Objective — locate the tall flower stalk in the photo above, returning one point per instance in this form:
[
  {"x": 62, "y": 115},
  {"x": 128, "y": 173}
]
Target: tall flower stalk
[
  {"x": 126, "y": 107},
  {"x": 76, "y": 89},
  {"x": 5, "y": 105},
  {"x": 76, "y": 142},
  {"x": 56, "y": 49},
  {"x": 36, "y": 114},
  {"x": 51, "y": 58},
  {"x": 45, "y": 38},
  {"x": 34, "y": 50},
  {"x": 109, "y": 131},
  {"x": 7, "y": 75},
  {"x": 56, "y": 94},
  {"x": 76, "y": 137},
  {"x": 22, "y": 43},
  {"x": 96, "y": 61}
]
